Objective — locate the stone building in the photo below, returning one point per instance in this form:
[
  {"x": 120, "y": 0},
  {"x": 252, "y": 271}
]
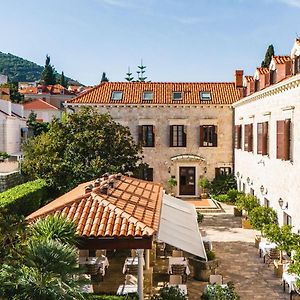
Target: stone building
[
  {"x": 186, "y": 129},
  {"x": 267, "y": 136}
]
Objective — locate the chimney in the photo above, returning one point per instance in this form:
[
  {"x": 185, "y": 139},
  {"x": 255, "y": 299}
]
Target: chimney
[
  {"x": 111, "y": 183},
  {"x": 119, "y": 176},
  {"x": 239, "y": 78},
  {"x": 88, "y": 189},
  {"x": 104, "y": 189},
  {"x": 97, "y": 182}
]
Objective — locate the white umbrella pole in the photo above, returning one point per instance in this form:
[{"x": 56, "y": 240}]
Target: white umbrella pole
[{"x": 140, "y": 274}]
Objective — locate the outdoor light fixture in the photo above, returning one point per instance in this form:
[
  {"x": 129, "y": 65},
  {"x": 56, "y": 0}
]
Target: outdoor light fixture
[
  {"x": 205, "y": 169},
  {"x": 281, "y": 202},
  {"x": 262, "y": 188}
]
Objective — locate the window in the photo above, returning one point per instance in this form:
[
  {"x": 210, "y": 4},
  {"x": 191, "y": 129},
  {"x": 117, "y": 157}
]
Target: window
[
  {"x": 222, "y": 171},
  {"x": 248, "y": 140},
  {"x": 252, "y": 191},
  {"x": 208, "y": 136},
  {"x": 284, "y": 139},
  {"x": 205, "y": 96},
  {"x": 287, "y": 219},
  {"x": 266, "y": 202},
  {"x": 117, "y": 95},
  {"x": 177, "y": 136},
  {"x": 297, "y": 64},
  {"x": 238, "y": 137},
  {"x": 146, "y": 174},
  {"x": 272, "y": 76},
  {"x": 177, "y": 96},
  {"x": 146, "y": 135},
  {"x": 148, "y": 96},
  {"x": 262, "y": 138},
  {"x": 256, "y": 85}
]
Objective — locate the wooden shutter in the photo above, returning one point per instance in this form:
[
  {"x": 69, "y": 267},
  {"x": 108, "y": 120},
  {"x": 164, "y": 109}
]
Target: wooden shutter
[
  {"x": 287, "y": 135},
  {"x": 184, "y": 135},
  {"x": 246, "y": 139},
  {"x": 140, "y": 134},
  {"x": 259, "y": 138},
  {"x": 237, "y": 136},
  {"x": 215, "y": 136},
  {"x": 171, "y": 136},
  {"x": 265, "y": 135},
  {"x": 153, "y": 135},
  {"x": 201, "y": 135},
  {"x": 280, "y": 139},
  {"x": 250, "y": 138}
]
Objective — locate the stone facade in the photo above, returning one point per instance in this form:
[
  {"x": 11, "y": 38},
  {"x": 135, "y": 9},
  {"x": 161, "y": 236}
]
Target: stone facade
[
  {"x": 269, "y": 178},
  {"x": 9, "y": 180},
  {"x": 162, "y": 157}
]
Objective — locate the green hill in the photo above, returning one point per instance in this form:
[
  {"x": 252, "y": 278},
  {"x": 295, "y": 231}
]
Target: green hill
[{"x": 20, "y": 69}]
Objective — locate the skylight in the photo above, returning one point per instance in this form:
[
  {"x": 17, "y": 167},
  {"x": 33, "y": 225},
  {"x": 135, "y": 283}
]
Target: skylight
[
  {"x": 177, "y": 96},
  {"x": 148, "y": 96},
  {"x": 205, "y": 96},
  {"x": 116, "y": 95}
]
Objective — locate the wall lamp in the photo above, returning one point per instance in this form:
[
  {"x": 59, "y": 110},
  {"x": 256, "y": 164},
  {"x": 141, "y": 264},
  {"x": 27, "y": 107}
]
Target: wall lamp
[
  {"x": 263, "y": 190},
  {"x": 281, "y": 202}
]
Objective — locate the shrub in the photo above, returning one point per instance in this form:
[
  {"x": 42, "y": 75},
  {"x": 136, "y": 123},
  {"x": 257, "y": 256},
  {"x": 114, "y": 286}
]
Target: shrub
[
  {"x": 222, "y": 184},
  {"x": 200, "y": 217},
  {"x": 25, "y": 198},
  {"x": 210, "y": 255},
  {"x": 247, "y": 202},
  {"x": 113, "y": 297},
  {"x": 216, "y": 291},
  {"x": 233, "y": 194},
  {"x": 261, "y": 216},
  {"x": 203, "y": 182},
  {"x": 222, "y": 198},
  {"x": 4, "y": 155},
  {"x": 169, "y": 293}
]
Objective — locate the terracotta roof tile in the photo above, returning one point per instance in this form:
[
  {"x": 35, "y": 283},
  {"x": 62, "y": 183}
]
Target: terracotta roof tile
[
  {"x": 249, "y": 78},
  {"x": 263, "y": 70},
  {"x": 38, "y": 104},
  {"x": 281, "y": 59},
  {"x": 221, "y": 93},
  {"x": 135, "y": 212}
]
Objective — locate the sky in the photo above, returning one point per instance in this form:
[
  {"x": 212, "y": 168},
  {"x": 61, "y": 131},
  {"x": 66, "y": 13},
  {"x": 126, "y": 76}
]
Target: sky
[{"x": 178, "y": 40}]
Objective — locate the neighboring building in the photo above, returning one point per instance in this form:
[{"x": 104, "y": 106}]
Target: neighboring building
[
  {"x": 185, "y": 128},
  {"x": 55, "y": 95},
  {"x": 3, "y": 79},
  {"x": 5, "y": 93},
  {"x": 267, "y": 136},
  {"x": 13, "y": 127},
  {"x": 44, "y": 111}
]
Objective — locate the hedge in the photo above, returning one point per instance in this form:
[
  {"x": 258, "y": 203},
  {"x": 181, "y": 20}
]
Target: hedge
[
  {"x": 113, "y": 297},
  {"x": 25, "y": 198}
]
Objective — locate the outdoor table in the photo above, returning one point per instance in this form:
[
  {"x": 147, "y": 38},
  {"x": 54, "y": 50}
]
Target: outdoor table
[
  {"x": 290, "y": 279},
  {"x": 125, "y": 289},
  {"x": 131, "y": 261},
  {"x": 182, "y": 287},
  {"x": 87, "y": 288},
  {"x": 100, "y": 261},
  {"x": 179, "y": 261},
  {"x": 264, "y": 247}
]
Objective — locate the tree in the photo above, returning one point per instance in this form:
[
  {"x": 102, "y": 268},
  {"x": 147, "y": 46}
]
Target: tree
[
  {"x": 247, "y": 202},
  {"x": 47, "y": 269},
  {"x": 268, "y": 57},
  {"x": 84, "y": 146},
  {"x": 48, "y": 76},
  {"x": 36, "y": 127},
  {"x": 15, "y": 96},
  {"x": 104, "y": 78},
  {"x": 261, "y": 216},
  {"x": 63, "y": 80}
]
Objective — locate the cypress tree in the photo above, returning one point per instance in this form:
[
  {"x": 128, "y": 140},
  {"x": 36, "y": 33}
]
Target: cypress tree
[
  {"x": 48, "y": 76},
  {"x": 63, "y": 80},
  {"x": 268, "y": 57}
]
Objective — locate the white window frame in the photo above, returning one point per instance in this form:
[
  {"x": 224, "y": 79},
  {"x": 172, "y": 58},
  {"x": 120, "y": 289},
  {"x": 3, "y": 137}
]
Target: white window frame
[
  {"x": 114, "y": 93},
  {"x": 148, "y": 92},
  {"x": 177, "y": 99},
  {"x": 203, "y": 98}
]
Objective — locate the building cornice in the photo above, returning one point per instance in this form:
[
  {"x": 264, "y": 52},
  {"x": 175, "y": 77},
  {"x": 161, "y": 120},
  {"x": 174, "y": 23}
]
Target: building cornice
[{"x": 287, "y": 84}]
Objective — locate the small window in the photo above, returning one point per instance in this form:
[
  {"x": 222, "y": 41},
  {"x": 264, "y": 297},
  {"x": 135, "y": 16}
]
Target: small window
[
  {"x": 205, "y": 96},
  {"x": 148, "y": 96},
  {"x": 117, "y": 95},
  {"x": 177, "y": 96}
]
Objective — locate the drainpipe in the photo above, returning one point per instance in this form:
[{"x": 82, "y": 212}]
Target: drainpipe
[{"x": 140, "y": 274}]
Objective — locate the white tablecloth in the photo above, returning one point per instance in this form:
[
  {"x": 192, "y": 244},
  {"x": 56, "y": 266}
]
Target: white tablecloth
[
  {"x": 125, "y": 289},
  {"x": 102, "y": 261},
  {"x": 87, "y": 288},
  {"x": 182, "y": 287},
  {"x": 290, "y": 279},
  {"x": 131, "y": 261},
  {"x": 264, "y": 247},
  {"x": 178, "y": 261}
]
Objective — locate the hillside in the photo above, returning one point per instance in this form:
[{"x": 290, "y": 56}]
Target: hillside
[{"x": 20, "y": 69}]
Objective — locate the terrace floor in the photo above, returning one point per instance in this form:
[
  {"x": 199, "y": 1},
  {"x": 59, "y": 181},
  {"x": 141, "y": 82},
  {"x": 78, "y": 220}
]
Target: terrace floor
[{"x": 239, "y": 263}]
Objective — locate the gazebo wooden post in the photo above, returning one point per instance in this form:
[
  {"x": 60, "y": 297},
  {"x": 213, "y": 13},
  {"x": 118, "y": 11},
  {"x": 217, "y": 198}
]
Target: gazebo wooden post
[
  {"x": 140, "y": 274},
  {"x": 147, "y": 259}
]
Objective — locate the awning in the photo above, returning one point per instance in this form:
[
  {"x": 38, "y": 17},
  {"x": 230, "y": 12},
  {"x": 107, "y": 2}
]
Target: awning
[
  {"x": 179, "y": 227},
  {"x": 187, "y": 157}
]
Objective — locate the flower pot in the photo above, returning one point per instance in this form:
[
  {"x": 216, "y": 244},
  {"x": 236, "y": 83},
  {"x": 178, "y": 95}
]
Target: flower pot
[
  {"x": 203, "y": 269},
  {"x": 278, "y": 268},
  {"x": 237, "y": 212},
  {"x": 257, "y": 241},
  {"x": 203, "y": 196},
  {"x": 246, "y": 224}
]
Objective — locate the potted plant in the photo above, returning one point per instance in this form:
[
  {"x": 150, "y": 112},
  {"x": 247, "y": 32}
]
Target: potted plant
[
  {"x": 216, "y": 291},
  {"x": 203, "y": 183},
  {"x": 172, "y": 182},
  {"x": 246, "y": 203},
  {"x": 200, "y": 217},
  {"x": 294, "y": 268},
  {"x": 284, "y": 239},
  {"x": 259, "y": 217},
  {"x": 169, "y": 293},
  {"x": 203, "y": 269},
  {"x": 3, "y": 156}
]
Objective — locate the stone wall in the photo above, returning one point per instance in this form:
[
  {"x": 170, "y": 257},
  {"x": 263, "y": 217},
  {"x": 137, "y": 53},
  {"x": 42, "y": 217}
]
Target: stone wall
[{"x": 9, "y": 180}]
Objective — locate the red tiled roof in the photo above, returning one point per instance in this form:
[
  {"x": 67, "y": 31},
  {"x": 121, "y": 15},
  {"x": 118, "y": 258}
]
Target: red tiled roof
[
  {"x": 221, "y": 93},
  {"x": 131, "y": 208},
  {"x": 249, "y": 78},
  {"x": 38, "y": 104},
  {"x": 263, "y": 70},
  {"x": 46, "y": 89},
  {"x": 281, "y": 59}
]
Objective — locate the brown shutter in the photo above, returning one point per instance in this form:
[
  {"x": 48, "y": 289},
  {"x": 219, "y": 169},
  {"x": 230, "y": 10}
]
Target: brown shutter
[
  {"x": 239, "y": 142},
  {"x": 201, "y": 135},
  {"x": 153, "y": 135},
  {"x": 246, "y": 139},
  {"x": 184, "y": 136},
  {"x": 215, "y": 136},
  {"x": 287, "y": 126},
  {"x": 280, "y": 139},
  {"x": 140, "y": 134},
  {"x": 250, "y": 138},
  {"x": 259, "y": 138},
  {"x": 236, "y": 137},
  {"x": 264, "y": 138},
  {"x": 171, "y": 135}
]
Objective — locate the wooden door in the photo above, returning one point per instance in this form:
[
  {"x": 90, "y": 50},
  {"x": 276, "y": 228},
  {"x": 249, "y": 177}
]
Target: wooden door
[{"x": 187, "y": 181}]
